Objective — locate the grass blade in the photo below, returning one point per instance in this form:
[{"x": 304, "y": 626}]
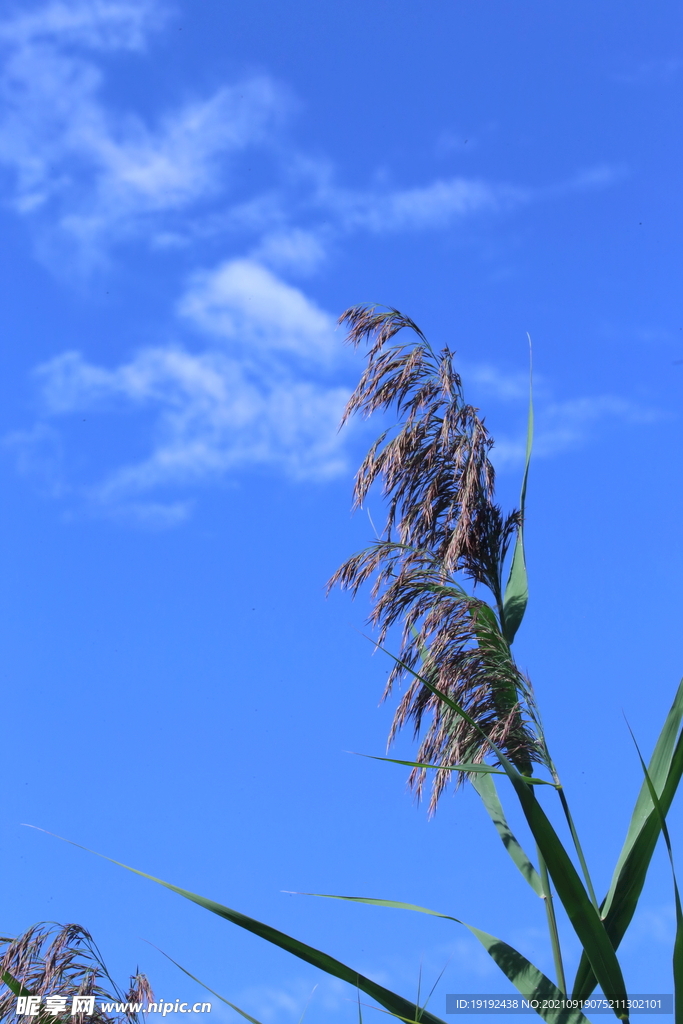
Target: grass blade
[
  {"x": 575, "y": 900},
  {"x": 486, "y": 788},
  {"x": 618, "y": 907},
  {"x": 517, "y": 590},
  {"x": 385, "y": 997},
  {"x": 578, "y": 847},
  {"x": 208, "y": 989},
  {"x": 13, "y": 985},
  {"x": 526, "y": 978},
  {"x": 678, "y": 944},
  {"x": 476, "y": 768},
  {"x": 552, "y": 924},
  {"x": 659, "y": 771}
]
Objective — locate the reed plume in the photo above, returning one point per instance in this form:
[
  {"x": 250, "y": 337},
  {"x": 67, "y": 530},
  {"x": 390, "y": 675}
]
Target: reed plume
[
  {"x": 442, "y": 527},
  {"x": 49, "y": 959}
]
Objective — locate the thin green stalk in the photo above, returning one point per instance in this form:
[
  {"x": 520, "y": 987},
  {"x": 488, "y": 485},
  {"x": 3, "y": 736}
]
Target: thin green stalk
[
  {"x": 577, "y": 844},
  {"x": 552, "y": 923}
]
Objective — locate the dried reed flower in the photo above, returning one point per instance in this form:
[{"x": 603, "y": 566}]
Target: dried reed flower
[
  {"x": 49, "y": 959},
  {"x": 439, "y": 482}
]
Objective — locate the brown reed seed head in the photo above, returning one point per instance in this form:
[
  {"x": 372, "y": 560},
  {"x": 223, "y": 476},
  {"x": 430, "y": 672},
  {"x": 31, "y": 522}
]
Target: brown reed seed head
[
  {"x": 442, "y": 524},
  {"x": 49, "y": 959}
]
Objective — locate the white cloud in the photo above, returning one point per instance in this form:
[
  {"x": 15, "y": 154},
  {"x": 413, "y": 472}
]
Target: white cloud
[
  {"x": 506, "y": 386},
  {"x": 291, "y": 249},
  {"x": 101, "y": 24},
  {"x": 429, "y": 206},
  {"x": 39, "y": 456},
  {"x": 292, "y": 1002},
  {"x": 210, "y": 415},
  {"x": 89, "y": 173},
  {"x": 94, "y": 170},
  {"x": 587, "y": 180},
  {"x": 245, "y": 304},
  {"x": 260, "y": 393},
  {"x": 562, "y": 426},
  {"x": 565, "y": 424},
  {"x": 664, "y": 70}
]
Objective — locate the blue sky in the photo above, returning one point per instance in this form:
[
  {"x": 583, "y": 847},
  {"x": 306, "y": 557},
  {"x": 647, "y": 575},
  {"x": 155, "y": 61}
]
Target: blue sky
[{"x": 191, "y": 195}]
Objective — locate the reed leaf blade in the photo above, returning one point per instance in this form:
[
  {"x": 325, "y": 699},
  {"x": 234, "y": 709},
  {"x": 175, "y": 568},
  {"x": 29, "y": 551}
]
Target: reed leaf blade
[
  {"x": 486, "y": 789},
  {"x": 678, "y": 944},
  {"x": 213, "y": 992},
  {"x": 474, "y": 767},
  {"x": 527, "y": 979},
  {"x": 516, "y": 594},
  {"x": 618, "y": 907},
  {"x": 393, "y": 1002}
]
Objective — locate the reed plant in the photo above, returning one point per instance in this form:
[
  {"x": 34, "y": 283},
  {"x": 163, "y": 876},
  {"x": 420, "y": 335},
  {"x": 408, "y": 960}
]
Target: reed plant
[
  {"x": 49, "y": 959},
  {"x": 449, "y": 568}
]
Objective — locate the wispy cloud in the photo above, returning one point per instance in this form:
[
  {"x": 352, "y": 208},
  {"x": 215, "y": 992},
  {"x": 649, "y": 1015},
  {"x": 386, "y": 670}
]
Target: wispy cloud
[
  {"x": 210, "y": 415},
  {"x": 294, "y": 249},
  {"x": 267, "y": 389},
  {"x": 39, "y": 455},
  {"x": 653, "y": 72},
  {"x": 97, "y": 24},
  {"x": 91, "y": 173},
  {"x": 291, "y": 1002},
  {"x": 450, "y": 966},
  {"x": 265, "y": 392},
  {"x": 244, "y": 303},
  {"x": 568, "y": 425},
  {"x": 427, "y": 206},
  {"x": 95, "y": 171},
  {"x": 495, "y": 383},
  {"x": 560, "y": 425}
]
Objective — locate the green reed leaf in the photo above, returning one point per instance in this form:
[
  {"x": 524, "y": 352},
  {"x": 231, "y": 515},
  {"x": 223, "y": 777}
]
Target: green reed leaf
[
  {"x": 13, "y": 985},
  {"x": 208, "y": 989},
  {"x": 678, "y": 943},
  {"x": 618, "y": 907},
  {"x": 385, "y": 997},
  {"x": 486, "y": 788},
  {"x": 477, "y": 768},
  {"x": 517, "y": 590},
  {"x": 527, "y": 979}
]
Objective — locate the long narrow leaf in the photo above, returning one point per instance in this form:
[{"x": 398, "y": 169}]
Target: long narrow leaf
[
  {"x": 678, "y": 944},
  {"x": 618, "y": 907},
  {"x": 658, "y": 772},
  {"x": 385, "y": 997},
  {"x": 20, "y": 989},
  {"x": 578, "y": 847},
  {"x": 208, "y": 989},
  {"x": 13, "y": 985},
  {"x": 526, "y": 978},
  {"x": 486, "y": 788},
  {"x": 476, "y": 768},
  {"x": 517, "y": 590},
  {"x": 581, "y": 912}
]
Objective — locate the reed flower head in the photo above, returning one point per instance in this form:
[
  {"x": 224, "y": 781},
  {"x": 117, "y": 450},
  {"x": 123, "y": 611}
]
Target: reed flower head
[
  {"x": 49, "y": 959},
  {"x": 442, "y": 527}
]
